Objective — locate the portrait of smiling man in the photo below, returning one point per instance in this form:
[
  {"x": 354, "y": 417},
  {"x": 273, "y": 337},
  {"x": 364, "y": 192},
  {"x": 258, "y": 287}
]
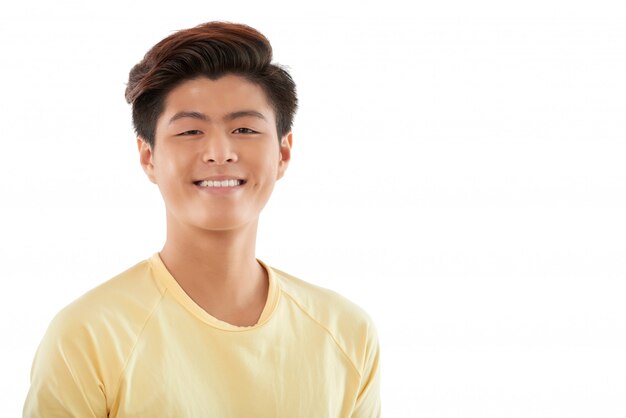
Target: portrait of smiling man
[{"x": 203, "y": 328}]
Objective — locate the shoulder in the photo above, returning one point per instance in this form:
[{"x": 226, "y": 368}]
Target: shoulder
[
  {"x": 348, "y": 323},
  {"x": 324, "y": 303},
  {"x": 83, "y": 352},
  {"x": 113, "y": 312}
]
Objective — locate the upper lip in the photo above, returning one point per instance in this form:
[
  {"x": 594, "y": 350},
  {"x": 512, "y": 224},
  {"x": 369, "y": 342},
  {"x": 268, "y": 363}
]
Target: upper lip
[{"x": 219, "y": 178}]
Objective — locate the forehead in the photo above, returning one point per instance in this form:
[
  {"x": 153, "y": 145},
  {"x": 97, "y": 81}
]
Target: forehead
[{"x": 229, "y": 93}]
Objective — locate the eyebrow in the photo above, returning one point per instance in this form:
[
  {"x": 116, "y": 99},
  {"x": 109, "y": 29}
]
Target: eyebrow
[{"x": 205, "y": 118}]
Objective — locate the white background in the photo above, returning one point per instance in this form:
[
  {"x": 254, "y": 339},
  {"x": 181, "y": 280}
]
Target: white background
[{"x": 457, "y": 171}]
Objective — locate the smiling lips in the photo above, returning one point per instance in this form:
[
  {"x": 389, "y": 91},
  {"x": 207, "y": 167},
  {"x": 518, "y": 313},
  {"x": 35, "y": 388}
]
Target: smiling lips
[{"x": 218, "y": 183}]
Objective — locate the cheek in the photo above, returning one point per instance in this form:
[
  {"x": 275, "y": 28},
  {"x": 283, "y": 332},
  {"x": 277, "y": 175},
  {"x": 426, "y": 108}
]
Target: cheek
[
  {"x": 270, "y": 163},
  {"x": 267, "y": 175},
  {"x": 172, "y": 172}
]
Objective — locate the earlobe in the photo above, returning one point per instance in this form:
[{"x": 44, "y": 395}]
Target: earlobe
[{"x": 145, "y": 158}]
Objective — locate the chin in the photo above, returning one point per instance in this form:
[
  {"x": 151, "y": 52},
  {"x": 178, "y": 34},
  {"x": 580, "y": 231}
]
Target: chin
[{"x": 224, "y": 223}]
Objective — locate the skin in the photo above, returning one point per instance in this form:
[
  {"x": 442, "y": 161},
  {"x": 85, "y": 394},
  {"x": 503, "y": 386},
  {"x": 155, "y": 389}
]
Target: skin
[{"x": 211, "y": 238}]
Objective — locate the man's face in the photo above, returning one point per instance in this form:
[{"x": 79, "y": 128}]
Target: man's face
[{"x": 215, "y": 130}]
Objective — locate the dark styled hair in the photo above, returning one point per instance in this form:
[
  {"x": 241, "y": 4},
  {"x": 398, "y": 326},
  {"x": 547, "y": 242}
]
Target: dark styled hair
[{"x": 212, "y": 50}]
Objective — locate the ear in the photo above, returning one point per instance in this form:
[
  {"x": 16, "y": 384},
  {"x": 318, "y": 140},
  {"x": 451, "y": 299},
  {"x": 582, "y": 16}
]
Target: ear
[
  {"x": 284, "y": 154},
  {"x": 145, "y": 158}
]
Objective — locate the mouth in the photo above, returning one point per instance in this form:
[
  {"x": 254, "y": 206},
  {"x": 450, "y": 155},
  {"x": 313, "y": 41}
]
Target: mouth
[{"x": 220, "y": 183}]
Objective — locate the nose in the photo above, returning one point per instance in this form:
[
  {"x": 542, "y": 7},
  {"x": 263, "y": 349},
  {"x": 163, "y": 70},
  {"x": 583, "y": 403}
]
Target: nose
[{"x": 218, "y": 149}]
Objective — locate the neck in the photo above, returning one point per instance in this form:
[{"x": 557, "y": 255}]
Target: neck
[{"x": 217, "y": 269}]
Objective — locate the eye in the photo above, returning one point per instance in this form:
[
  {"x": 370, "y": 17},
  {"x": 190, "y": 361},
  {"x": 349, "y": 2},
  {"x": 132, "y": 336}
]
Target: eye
[
  {"x": 191, "y": 132},
  {"x": 247, "y": 131}
]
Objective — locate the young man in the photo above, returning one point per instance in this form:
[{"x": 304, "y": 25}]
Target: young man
[{"x": 203, "y": 328}]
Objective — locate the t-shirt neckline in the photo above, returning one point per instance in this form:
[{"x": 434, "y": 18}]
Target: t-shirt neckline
[{"x": 165, "y": 278}]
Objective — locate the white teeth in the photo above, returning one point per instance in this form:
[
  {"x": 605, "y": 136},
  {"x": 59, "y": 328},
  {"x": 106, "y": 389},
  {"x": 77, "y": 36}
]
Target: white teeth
[{"x": 223, "y": 183}]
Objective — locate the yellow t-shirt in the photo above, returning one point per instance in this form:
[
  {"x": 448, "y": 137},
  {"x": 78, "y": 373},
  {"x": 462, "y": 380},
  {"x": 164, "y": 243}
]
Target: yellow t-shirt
[{"x": 138, "y": 346}]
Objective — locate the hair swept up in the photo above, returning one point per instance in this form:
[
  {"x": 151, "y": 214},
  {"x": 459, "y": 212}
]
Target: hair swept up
[{"x": 211, "y": 49}]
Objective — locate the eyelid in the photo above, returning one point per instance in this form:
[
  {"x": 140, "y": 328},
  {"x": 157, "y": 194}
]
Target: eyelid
[
  {"x": 187, "y": 133},
  {"x": 252, "y": 131}
]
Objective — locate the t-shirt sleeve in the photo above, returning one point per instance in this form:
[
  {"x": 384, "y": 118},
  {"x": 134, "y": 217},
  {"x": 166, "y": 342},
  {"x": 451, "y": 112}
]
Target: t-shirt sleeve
[
  {"x": 64, "y": 375},
  {"x": 368, "y": 403}
]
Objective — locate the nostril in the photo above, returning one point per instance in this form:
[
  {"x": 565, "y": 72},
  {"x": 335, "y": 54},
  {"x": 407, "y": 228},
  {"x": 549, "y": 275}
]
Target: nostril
[{"x": 212, "y": 160}]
